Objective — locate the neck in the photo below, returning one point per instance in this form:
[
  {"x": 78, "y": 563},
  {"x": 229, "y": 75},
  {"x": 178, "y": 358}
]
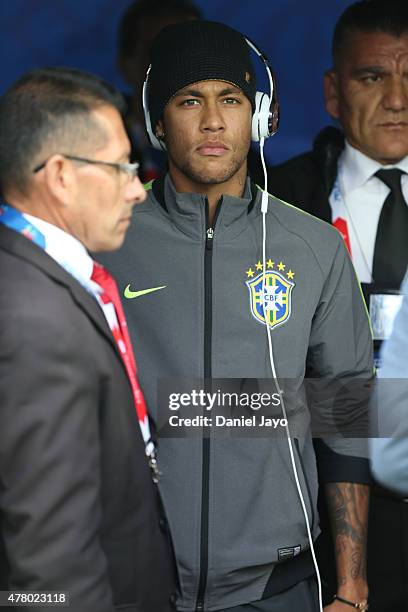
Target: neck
[
  {"x": 234, "y": 186},
  {"x": 37, "y": 207}
]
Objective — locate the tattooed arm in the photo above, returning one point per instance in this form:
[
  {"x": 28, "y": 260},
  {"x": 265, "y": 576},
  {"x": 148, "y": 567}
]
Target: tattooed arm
[{"x": 348, "y": 510}]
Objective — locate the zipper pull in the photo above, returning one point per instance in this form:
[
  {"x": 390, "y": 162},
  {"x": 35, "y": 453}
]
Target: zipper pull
[{"x": 209, "y": 240}]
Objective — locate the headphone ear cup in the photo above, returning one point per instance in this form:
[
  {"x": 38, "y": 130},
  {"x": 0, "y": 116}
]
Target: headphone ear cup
[
  {"x": 154, "y": 141},
  {"x": 260, "y": 118},
  {"x": 274, "y": 122}
]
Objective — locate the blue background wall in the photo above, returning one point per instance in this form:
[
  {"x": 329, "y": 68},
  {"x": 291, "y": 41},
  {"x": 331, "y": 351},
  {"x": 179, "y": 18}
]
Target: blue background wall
[{"x": 82, "y": 33}]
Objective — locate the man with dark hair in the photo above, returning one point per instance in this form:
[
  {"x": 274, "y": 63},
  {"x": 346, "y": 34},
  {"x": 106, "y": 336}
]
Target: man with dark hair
[
  {"x": 80, "y": 517},
  {"x": 357, "y": 179},
  {"x": 240, "y": 530},
  {"x": 139, "y": 26}
]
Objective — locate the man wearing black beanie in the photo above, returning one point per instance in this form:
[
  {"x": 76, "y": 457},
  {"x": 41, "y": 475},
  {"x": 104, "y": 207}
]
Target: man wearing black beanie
[{"x": 199, "y": 295}]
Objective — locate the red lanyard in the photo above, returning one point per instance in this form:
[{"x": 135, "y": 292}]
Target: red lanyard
[
  {"x": 121, "y": 334},
  {"x": 341, "y": 225}
]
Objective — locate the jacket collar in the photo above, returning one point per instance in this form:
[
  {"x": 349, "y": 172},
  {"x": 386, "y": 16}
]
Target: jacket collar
[
  {"x": 188, "y": 211},
  {"x": 25, "y": 249},
  {"x": 327, "y": 148}
]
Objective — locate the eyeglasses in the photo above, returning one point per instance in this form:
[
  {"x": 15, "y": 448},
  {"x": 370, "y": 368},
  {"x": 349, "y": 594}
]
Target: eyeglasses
[{"x": 130, "y": 169}]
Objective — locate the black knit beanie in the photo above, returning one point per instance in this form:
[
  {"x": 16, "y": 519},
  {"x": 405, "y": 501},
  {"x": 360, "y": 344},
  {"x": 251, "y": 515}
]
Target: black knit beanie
[{"x": 192, "y": 51}]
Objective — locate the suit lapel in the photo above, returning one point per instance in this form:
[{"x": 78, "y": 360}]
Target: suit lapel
[
  {"x": 321, "y": 204},
  {"x": 327, "y": 148},
  {"x": 20, "y": 246}
]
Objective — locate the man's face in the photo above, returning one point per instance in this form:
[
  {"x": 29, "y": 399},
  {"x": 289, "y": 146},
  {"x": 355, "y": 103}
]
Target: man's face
[
  {"x": 207, "y": 132},
  {"x": 104, "y": 196},
  {"x": 368, "y": 94}
]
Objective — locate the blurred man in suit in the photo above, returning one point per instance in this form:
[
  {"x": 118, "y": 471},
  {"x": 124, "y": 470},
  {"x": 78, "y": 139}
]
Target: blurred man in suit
[
  {"x": 79, "y": 511},
  {"x": 357, "y": 179}
]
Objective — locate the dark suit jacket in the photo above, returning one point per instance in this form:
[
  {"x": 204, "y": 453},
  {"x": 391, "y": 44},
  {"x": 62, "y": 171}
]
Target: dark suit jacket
[
  {"x": 307, "y": 180},
  {"x": 78, "y": 509}
]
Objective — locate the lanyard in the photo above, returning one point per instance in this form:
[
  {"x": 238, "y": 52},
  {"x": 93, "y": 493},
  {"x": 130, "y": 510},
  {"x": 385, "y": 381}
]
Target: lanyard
[
  {"x": 340, "y": 212},
  {"x": 15, "y": 220},
  {"x": 119, "y": 329}
]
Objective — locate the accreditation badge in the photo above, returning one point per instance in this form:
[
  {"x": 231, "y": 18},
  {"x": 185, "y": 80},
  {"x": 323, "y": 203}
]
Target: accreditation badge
[{"x": 383, "y": 308}]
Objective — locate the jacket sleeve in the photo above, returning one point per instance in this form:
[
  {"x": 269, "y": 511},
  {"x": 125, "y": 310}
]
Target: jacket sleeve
[
  {"x": 50, "y": 461},
  {"x": 340, "y": 374},
  {"x": 389, "y": 407}
]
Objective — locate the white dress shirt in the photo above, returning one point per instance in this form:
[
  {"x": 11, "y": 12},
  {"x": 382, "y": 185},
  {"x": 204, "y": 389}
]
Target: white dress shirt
[
  {"x": 71, "y": 254},
  {"x": 363, "y": 196}
]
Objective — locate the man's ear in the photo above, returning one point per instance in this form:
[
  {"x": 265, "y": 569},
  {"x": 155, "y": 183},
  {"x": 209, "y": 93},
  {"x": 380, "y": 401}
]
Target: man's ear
[
  {"x": 331, "y": 93},
  {"x": 60, "y": 178}
]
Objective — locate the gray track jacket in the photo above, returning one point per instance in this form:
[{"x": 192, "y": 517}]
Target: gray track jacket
[{"x": 232, "y": 503}]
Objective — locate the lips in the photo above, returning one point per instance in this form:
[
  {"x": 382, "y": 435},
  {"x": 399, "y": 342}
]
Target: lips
[
  {"x": 395, "y": 125},
  {"x": 212, "y": 148}
]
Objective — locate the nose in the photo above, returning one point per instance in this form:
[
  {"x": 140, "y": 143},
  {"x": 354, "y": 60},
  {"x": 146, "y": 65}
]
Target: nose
[
  {"x": 135, "y": 192},
  {"x": 212, "y": 119},
  {"x": 396, "y": 94}
]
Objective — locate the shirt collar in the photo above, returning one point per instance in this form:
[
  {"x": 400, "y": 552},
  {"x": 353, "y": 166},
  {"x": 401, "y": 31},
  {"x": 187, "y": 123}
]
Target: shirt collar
[
  {"x": 66, "y": 250},
  {"x": 357, "y": 168}
]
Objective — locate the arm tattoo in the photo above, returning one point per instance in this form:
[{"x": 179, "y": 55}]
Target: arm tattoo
[{"x": 348, "y": 508}]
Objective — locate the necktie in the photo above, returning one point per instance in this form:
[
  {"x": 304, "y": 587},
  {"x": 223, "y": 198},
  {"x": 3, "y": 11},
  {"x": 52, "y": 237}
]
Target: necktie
[
  {"x": 391, "y": 243},
  {"x": 121, "y": 335}
]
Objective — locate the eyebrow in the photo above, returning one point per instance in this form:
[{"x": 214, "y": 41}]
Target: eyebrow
[
  {"x": 369, "y": 69},
  {"x": 198, "y": 94}
]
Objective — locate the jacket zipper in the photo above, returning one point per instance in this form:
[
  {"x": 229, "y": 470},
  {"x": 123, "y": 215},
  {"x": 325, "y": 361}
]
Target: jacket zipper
[{"x": 205, "y": 479}]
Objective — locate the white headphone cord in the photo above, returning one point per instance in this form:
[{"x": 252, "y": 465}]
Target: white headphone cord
[{"x": 264, "y": 209}]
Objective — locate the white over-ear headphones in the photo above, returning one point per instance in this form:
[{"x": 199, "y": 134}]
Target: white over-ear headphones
[
  {"x": 154, "y": 141},
  {"x": 265, "y": 119}
]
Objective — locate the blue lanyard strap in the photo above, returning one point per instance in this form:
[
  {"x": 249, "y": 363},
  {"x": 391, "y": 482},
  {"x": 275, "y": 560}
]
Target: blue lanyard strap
[{"x": 15, "y": 220}]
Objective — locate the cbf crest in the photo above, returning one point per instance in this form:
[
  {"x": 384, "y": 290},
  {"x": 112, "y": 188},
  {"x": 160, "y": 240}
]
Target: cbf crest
[{"x": 270, "y": 302}]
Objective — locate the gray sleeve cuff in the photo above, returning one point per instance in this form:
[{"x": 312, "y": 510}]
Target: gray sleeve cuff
[{"x": 336, "y": 467}]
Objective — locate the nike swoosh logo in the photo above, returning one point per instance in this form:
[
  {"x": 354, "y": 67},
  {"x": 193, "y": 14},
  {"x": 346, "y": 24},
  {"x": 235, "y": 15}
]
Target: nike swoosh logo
[{"x": 134, "y": 294}]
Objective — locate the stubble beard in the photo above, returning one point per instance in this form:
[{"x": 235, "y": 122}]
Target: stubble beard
[{"x": 208, "y": 177}]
